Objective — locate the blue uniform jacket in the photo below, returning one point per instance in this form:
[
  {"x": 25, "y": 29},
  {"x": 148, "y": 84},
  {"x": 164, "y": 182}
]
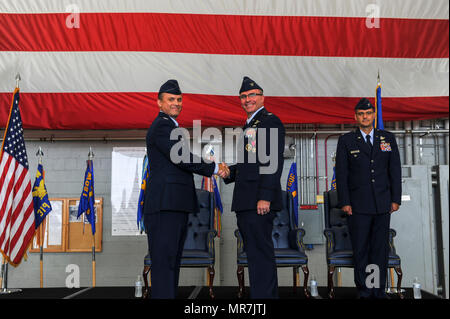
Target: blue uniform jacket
[
  {"x": 368, "y": 181},
  {"x": 171, "y": 186},
  {"x": 250, "y": 185}
]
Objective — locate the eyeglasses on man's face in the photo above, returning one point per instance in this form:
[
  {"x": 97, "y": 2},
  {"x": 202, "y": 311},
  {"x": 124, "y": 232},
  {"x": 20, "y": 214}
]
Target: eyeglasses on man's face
[
  {"x": 250, "y": 96},
  {"x": 361, "y": 114}
]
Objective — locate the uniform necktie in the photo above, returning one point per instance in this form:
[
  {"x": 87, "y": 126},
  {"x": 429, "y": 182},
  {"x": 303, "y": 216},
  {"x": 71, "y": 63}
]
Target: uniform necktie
[{"x": 368, "y": 141}]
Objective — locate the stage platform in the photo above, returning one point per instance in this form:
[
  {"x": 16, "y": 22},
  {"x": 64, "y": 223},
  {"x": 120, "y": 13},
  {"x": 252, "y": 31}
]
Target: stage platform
[
  {"x": 186, "y": 293},
  {"x": 194, "y": 302}
]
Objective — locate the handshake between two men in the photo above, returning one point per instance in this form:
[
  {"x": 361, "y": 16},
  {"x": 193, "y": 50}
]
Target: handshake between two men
[{"x": 224, "y": 170}]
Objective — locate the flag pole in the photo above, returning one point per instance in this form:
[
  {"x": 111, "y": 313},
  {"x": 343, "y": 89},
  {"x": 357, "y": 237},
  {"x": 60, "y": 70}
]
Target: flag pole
[
  {"x": 294, "y": 148},
  {"x": 1, "y": 272},
  {"x": 40, "y": 153},
  {"x": 90, "y": 157},
  {"x": 4, "y": 271}
]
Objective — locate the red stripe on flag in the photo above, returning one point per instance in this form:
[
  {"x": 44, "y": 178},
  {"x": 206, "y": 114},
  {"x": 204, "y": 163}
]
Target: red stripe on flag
[
  {"x": 5, "y": 241},
  {"x": 10, "y": 186},
  {"x": 26, "y": 238},
  {"x": 124, "y": 110},
  {"x": 227, "y": 34},
  {"x": 22, "y": 195},
  {"x": 2, "y": 180},
  {"x": 8, "y": 209},
  {"x": 25, "y": 213},
  {"x": 25, "y": 244}
]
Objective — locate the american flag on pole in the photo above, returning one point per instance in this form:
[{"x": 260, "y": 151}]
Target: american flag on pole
[{"x": 17, "y": 224}]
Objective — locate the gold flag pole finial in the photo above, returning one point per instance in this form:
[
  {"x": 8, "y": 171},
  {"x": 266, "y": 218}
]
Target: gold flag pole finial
[{"x": 378, "y": 77}]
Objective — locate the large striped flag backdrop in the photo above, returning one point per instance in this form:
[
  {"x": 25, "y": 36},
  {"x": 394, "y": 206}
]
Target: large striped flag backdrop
[
  {"x": 105, "y": 60},
  {"x": 17, "y": 224}
]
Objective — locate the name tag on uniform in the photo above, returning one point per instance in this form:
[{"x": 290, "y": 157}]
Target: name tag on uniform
[
  {"x": 354, "y": 152},
  {"x": 385, "y": 147}
]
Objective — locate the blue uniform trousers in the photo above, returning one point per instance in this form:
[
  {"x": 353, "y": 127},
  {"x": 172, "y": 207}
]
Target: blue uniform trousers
[
  {"x": 369, "y": 235},
  {"x": 256, "y": 231},
  {"x": 166, "y": 234}
]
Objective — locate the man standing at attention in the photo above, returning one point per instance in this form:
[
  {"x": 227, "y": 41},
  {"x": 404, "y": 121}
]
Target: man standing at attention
[
  {"x": 257, "y": 192},
  {"x": 368, "y": 178},
  {"x": 170, "y": 194}
]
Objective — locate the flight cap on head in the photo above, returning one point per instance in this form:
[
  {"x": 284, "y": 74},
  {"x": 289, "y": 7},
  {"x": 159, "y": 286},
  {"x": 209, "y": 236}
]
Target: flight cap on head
[
  {"x": 248, "y": 84},
  {"x": 171, "y": 86},
  {"x": 364, "y": 104}
]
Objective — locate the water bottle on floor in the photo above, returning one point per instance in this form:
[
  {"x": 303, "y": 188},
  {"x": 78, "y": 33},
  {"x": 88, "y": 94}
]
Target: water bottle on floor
[
  {"x": 313, "y": 287},
  {"x": 138, "y": 288},
  {"x": 416, "y": 289}
]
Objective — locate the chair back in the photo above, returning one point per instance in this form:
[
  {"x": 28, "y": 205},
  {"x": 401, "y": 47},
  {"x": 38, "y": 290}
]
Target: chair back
[
  {"x": 342, "y": 239},
  {"x": 283, "y": 222},
  {"x": 336, "y": 220},
  {"x": 330, "y": 204},
  {"x": 199, "y": 224}
]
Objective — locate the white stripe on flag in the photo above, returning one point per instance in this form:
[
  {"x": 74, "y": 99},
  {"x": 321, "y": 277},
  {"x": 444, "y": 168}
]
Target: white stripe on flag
[
  {"x": 11, "y": 200},
  {"x": 26, "y": 228},
  {"x": 213, "y": 74},
  {"x": 18, "y": 196},
  {"x": 6, "y": 198},
  {"x": 417, "y": 9}
]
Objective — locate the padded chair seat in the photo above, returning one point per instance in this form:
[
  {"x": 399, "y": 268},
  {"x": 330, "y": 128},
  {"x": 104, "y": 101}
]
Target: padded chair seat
[
  {"x": 283, "y": 253},
  {"x": 196, "y": 257},
  {"x": 345, "y": 258},
  {"x": 341, "y": 254},
  {"x": 189, "y": 257},
  {"x": 342, "y": 258},
  {"x": 394, "y": 260},
  {"x": 147, "y": 260},
  {"x": 289, "y": 253},
  {"x": 282, "y": 257}
]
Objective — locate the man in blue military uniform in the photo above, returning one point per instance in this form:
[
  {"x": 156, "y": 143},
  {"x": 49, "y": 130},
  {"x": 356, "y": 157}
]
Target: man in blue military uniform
[
  {"x": 368, "y": 178},
  {"x": 170, "y": 193},
  {"x": 257, "y": 193}
]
